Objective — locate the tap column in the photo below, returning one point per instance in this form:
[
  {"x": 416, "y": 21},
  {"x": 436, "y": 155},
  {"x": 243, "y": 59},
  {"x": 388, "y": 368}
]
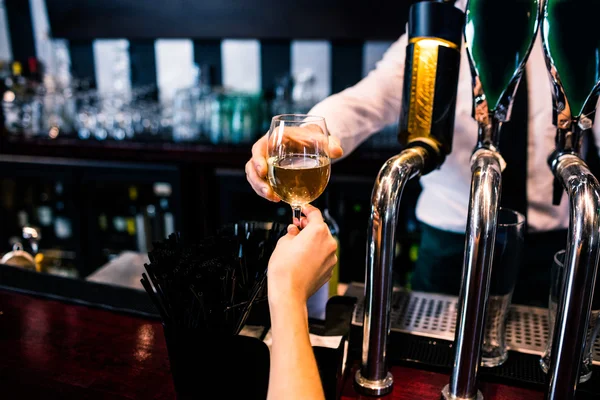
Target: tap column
[{"x": 426, "y": 127}]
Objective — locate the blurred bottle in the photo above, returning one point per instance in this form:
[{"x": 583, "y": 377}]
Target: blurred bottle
[
  {"x": 163, "y": 192},
  {"x": 335, "y": 232},
  {"x": 303, "y": 93},
  {"x": 18, "y": 83},
  {"x": 244, "y": 119},
  {"x": 282, "y": 103},
  {"x": 192, "y": 107},
  {"x": 137, "y": 222},
  {"x": 185, "y": 126},
  {"x": 215, "y": 130},
  {"x": 45, "y": 211},
  {"x": 226, "y": 120},
  {"x": 25, "y": 204},
  {"x": 317, "y": 303},
  {"x": 34, "y": 73},
  {"x": 5, "y": 73},
  {"x": 63, "y": 227},
  {"x": 15, "y": 88}
]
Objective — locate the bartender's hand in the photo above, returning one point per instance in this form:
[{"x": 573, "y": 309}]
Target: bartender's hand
[
  {"x": 256, "y": 168},
  {"x": 303, "y": 261}
]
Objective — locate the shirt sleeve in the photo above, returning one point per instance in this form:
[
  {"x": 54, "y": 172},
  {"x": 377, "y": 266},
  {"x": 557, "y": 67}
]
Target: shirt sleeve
[{"x": 373, "y": 103}]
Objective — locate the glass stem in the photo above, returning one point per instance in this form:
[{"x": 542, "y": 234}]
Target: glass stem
[{"x": 297, "y": 213}]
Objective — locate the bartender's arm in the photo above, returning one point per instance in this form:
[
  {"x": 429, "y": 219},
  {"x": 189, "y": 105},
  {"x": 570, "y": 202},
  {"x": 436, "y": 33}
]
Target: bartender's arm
[
  {"x": 351, "y": 115},
  {"x": 301, "y": 263}
]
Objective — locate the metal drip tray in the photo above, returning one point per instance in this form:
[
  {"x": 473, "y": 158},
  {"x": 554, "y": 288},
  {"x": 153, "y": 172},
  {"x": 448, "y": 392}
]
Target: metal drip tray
[{"x": 434, "y": 316}]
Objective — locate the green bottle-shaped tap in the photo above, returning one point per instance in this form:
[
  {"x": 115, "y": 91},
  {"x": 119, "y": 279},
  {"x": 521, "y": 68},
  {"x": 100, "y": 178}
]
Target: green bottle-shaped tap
[
  {"x": 572, "y": 48},
  {"x": 499, "y": 36}
]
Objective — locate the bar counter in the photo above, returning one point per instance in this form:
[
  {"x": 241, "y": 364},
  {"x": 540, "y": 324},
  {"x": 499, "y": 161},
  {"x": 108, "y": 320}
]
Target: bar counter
[{"x": 53, "y": 350}]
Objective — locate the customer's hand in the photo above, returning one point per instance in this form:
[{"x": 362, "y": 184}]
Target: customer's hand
[
  {"x": 303, "y": 260},
  {"x": 256, "y": 168}
]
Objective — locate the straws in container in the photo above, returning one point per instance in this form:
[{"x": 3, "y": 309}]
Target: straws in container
[{"x": 205, "y": 292}]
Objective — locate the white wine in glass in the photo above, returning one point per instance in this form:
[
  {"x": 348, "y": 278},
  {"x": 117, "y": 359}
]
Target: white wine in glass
[{"x": 299, "y": 165}]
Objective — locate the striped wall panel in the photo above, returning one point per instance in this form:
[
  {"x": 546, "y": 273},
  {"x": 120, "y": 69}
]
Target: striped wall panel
[
  {"x": 174, "y": 66},
  {"x": 346, "y": 61},
  {"x": 19, "y": 24},
  {"x": 112, "y": 66},
  {"x": 248, "y": 65},
  {"x": 241, "y": 64},
  {"x": 83, "y": 64},
  {"x": 275, "y": 56},
  {"x": 41, "y": 31},
  {"x": 313, "y": 56},
  {"x": 208, "y": 52}
]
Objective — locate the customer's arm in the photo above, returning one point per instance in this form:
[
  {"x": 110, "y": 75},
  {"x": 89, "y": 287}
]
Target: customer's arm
[{"x": 301, "y": 263}]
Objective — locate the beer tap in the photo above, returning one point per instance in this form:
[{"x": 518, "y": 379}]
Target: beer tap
[
  {"x": 497, "y": 55},
  {"x": 426, "y": 128},
  {"x": 571, "y": 47}
]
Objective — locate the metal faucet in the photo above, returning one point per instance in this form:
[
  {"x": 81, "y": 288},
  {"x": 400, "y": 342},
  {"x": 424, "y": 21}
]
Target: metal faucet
[
  {"x": 492, "y": 51},
  {"x": 574, "y": 111},
  {"x": 426, "y": 127}
]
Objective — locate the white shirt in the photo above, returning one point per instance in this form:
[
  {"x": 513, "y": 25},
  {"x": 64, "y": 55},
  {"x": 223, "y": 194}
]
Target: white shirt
[{"x": 357, "y": 112}]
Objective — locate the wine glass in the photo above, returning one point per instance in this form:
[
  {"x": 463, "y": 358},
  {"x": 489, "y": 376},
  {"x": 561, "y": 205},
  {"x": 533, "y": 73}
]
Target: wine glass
[{"x": 298, "y": 163}]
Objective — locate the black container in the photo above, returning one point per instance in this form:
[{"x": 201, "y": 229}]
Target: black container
[
  {"x": 237, "y": 367},
  {"x": 234, "y": 367}
]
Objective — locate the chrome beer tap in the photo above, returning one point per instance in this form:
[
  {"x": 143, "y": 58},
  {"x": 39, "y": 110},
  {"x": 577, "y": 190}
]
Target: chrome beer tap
[
  {"x": 571, "y": 44},
  {"x": 497, "y": 54},
  {"x": 426, "y": 127}
]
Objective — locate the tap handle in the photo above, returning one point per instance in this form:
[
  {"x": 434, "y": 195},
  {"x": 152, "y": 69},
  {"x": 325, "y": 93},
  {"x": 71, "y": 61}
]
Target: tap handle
[{"x": 431, "y": 79}]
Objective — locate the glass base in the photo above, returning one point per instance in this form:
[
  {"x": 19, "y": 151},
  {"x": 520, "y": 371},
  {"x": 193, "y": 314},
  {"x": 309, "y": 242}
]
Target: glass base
[
  {"x": 491, "y": 362},
  {"x": 446, "y": 395},
  {"x": 584, "y": 374},
  {"x": 493, "y": 351}
]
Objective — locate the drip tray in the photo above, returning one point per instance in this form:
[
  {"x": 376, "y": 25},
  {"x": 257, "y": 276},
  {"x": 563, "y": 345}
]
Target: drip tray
[{"x": 434, "y": 316}]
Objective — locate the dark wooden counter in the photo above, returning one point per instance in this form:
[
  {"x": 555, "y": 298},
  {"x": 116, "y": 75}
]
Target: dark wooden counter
[{"x": 54, "y": 350}]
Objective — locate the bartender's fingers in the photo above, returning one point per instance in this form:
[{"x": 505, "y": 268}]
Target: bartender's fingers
[
  {"x": 312, "y": 213},
  {"x": 335, "y": 149},
  {"x": 260, "y": 185},
  {"x": 259, "y": 157}
]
